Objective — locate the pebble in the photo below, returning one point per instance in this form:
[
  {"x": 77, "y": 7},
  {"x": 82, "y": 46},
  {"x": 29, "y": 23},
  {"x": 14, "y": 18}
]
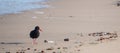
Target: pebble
[{"x": 28, "y": 48}]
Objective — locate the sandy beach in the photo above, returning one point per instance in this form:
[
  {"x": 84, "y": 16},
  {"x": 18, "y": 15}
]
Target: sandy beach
[{"x": 90, "y": 26}]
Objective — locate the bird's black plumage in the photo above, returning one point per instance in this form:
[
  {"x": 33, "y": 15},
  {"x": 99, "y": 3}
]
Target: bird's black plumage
[{"x": 35, "y": 33}]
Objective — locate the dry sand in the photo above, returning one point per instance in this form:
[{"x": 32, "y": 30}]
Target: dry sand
[{"x": 73, "y": 19}]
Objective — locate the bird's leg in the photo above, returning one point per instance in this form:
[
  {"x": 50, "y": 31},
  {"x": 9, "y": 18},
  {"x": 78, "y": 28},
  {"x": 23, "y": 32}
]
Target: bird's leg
[{"x": 34, "y": 41}]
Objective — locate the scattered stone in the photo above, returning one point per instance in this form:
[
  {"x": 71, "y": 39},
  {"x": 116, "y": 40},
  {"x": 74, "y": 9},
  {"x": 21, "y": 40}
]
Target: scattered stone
[
  {"x": 58, "y": 48},
  {"x": 42, "y": 51},
  {"x": 20, "y": 52},
  {"x": 54, "y": 52},
  {"x": 7, "y": 52},
  {"x": 66, "y": 39},
  {"x": 35, "y": 49},
  {"x": 118, "y": 3},
  {"x": 50, "y": 48},
  {"x": 28, "y": 48},
  {"x": 45, "y": 41}
]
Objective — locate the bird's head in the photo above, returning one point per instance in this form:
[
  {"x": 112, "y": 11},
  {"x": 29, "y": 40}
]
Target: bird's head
[{"x": 37, "y": 28}]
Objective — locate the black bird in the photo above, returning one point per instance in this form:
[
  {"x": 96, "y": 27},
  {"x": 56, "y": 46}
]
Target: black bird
[{"x": 34, "y": 34}]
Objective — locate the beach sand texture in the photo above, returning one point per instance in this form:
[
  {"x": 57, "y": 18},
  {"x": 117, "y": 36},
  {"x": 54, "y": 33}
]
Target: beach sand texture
[{"x": 72, "y": 19}]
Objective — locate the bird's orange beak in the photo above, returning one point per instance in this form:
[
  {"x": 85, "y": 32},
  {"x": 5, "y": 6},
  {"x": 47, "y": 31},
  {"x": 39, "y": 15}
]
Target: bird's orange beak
[{"x": 40, "y": 30}]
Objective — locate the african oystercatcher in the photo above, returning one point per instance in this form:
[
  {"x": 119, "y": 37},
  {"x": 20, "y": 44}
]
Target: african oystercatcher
[{"x": 34, "y": 34}]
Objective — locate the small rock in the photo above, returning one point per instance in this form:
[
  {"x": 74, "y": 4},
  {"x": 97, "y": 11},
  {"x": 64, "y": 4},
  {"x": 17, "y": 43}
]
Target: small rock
[
  {"x": 42, "y": 51},
  {"x": 54, "y": 52},
  {"x": 7, "y": 52},
  {"x": 35, "y": 49},
  {"x": 66, "y": 39},
  {"x": 58, "y": 48},
  {"x": 50, "y": 48},
  {"x": 28, "y": 48},
  {"x": 45, "y": 41}
]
